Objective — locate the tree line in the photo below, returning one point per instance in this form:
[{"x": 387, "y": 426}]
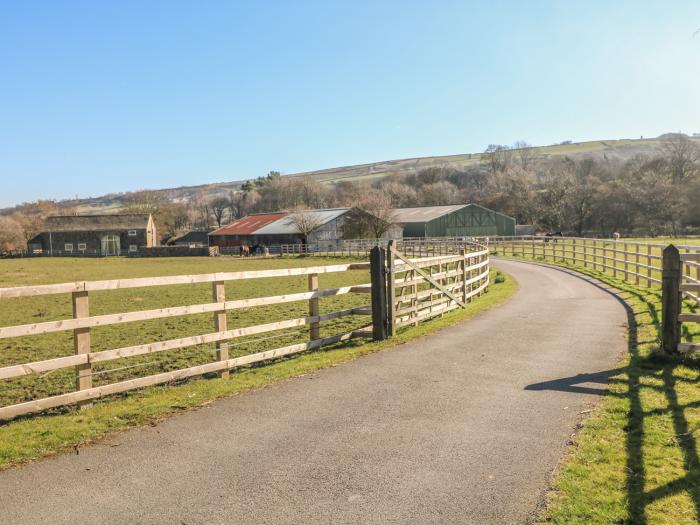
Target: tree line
[{"x": 652, "y": 194}]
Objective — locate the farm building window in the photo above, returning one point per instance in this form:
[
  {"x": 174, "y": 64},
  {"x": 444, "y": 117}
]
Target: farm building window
[
  {"x": 68, "y": 247},
  {"x": 110, "y": 245},
  {"x": 82, "y": 247},
  {"x": 133, "y": 248},
  {"x": 132, "y": 233}
]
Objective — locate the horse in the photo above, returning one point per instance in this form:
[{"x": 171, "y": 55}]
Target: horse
[
  {"x": 245, "y": 250},
  {"x": 550, "y": 235}
]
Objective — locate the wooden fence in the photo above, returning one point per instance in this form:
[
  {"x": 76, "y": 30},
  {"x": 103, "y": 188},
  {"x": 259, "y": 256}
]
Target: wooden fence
[
  {"x": 465, "y": 274},
  {"x": 675, "y": 269},
  {"x": 432, "y": 285}
]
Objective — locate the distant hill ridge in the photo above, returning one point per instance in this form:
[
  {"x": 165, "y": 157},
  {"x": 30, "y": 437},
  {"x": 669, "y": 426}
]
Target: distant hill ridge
[{"x": 622, "y": 149}]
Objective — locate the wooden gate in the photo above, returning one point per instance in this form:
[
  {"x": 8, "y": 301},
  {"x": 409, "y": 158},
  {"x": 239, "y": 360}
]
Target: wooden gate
[{"x": 419, "y": 289}]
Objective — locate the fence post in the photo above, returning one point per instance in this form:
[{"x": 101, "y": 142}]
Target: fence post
[
  {"x": 671, "y": 300},
  {"x": 218, "y": 292},
  {"x": 81, "y": 342},
  {"x": 391, "y": 287},
  {"x": 463, "y": 253},
  {"x": 378, "y": 279},
  {"x": 314, "y": 308}
]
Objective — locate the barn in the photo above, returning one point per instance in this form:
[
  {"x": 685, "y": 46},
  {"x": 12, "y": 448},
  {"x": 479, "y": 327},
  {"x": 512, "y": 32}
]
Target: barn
[
  {"x": 243, "y": 230},
  {"x": 329, "y": 227},
  {"x": 109, "y": 234},
  {"x": 459, "y": 220}
]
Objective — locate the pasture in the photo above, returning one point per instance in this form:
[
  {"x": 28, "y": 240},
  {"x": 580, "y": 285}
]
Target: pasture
[
  {"x": 15, "y": 311},
  {"x": 31, "y": 437}
]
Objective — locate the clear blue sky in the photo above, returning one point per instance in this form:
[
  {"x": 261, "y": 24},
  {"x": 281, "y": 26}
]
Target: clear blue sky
[{"x": 100, "y": 96}]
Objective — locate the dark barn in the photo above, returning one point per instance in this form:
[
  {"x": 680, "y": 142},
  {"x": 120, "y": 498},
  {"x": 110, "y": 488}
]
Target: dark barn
[{"x": 94, "y": 235}]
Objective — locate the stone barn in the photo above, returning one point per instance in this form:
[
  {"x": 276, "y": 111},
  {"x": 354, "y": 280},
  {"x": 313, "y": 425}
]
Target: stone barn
[{"x": 116, "y": 234}]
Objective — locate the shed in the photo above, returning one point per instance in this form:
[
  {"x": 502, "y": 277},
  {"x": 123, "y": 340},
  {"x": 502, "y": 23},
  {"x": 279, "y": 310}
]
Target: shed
[
  {"x": 193, "y": 239},
  {"x": 459, "y": 220}
]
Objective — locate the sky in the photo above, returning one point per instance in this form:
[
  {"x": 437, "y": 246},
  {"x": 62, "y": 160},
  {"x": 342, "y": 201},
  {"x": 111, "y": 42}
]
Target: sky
[{"x": 100, "y": 97}]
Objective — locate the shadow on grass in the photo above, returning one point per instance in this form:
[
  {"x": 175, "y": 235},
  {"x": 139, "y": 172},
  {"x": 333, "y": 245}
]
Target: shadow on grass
[{"x": 642, "y": 366}]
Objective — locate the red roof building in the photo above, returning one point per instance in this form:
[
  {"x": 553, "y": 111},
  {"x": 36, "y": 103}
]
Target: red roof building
[{"x": 230, "y": 235}]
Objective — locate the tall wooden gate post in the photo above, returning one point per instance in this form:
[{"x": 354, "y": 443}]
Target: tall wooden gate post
[
  {"x": 378, "y": 279},
  {"x": 671, "y": 300},
  {"x": 391, "y": 288}
]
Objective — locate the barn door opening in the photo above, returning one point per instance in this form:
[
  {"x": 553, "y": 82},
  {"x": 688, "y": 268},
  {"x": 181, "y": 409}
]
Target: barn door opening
[{"x": 111, "y": 245}]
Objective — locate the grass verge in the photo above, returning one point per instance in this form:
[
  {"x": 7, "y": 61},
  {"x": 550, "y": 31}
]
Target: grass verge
[
  {"x": 42, "y": 435},
  {"x": 635, "y": 459}
]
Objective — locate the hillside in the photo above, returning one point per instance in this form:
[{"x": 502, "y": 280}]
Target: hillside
[{"x": 612, "y": 149}]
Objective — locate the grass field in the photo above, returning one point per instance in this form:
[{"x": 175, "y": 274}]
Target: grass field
[
  {"x": 44, "y": 308},
  {"x": 32, "y": 437},
  {"x": 678, "y": 241},
  {"x": 636, "y": 458}
]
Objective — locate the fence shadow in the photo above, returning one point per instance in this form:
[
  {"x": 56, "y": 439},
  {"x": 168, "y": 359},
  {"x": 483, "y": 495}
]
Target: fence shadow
[{"x": 642, "y": 372}]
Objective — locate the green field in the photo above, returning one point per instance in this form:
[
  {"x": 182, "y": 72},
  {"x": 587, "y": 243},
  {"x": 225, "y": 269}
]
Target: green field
[
  {"x": 45, "y": 308},
  {"x": 31, "y": 437}
]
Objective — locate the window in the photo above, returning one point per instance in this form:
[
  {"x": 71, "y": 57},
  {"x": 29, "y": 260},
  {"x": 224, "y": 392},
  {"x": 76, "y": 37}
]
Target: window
[
  {"x": 68, "y": 247},
  {"x": 82, "y": 247},
  {"x": 133, "y": 248},
  {"x": 132, "y": 233},
  {"x": 110, "y": 245}
]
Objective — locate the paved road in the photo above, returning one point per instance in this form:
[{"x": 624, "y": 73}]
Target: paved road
[{"x": 464, "y": 426}]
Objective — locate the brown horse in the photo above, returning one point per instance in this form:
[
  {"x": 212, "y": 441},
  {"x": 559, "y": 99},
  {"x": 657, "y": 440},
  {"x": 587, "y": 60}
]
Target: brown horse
[{"x": 245, "y": 250}]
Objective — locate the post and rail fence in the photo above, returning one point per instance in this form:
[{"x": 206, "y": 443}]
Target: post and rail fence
[
  {"x": 674, "y": 269},
  {"x": 405, "y": 289}
]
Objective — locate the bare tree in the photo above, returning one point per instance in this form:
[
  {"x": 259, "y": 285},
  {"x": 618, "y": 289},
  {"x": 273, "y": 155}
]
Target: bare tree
[
  {"x": 11, "y": 235},
  {"x": 32, "y": 215},
  {"x": 524, "y": 152},
  {"x": 498, "y": 157},
  {"x": 373, "y": 217},
  {"x": 683, "y": 157},
  {"x": 220, "y": 208},
  {"x": 304, "y": 222},
  {"x": 233, "y": 207}
]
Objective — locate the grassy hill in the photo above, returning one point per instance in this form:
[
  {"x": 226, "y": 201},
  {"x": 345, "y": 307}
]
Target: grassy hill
[{"x": 611, "y": 149}]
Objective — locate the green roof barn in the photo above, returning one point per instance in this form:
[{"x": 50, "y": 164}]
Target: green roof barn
[{"x": 460, "y": 220}]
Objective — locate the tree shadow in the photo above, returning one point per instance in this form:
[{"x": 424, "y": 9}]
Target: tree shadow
[{"x": 639, "y": 368}]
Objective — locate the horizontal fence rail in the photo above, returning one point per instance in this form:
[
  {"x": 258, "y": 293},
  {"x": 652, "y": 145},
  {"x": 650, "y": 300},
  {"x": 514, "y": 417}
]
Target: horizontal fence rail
[
  {"x": 82, "y": 322},
  {"x": 640, "y": 263},
  {"x": 431, "y": 281}
]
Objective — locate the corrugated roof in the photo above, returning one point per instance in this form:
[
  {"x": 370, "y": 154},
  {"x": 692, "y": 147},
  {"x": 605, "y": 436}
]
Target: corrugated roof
[
  {"x": 68, "y": 223},
  {"x": 423, "y": 213},
  {"x": 249, "y": 224},
  {"x": 284, "y": 225}
]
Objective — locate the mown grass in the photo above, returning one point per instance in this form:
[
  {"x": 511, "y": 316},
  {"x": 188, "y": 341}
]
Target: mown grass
[
  {"x": 636, "y": 458},
  {"x": 48, "y": 433}
]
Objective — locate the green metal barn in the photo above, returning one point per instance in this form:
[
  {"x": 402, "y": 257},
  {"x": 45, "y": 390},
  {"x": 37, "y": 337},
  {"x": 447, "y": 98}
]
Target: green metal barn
[{"x": 460, "y": 220}]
